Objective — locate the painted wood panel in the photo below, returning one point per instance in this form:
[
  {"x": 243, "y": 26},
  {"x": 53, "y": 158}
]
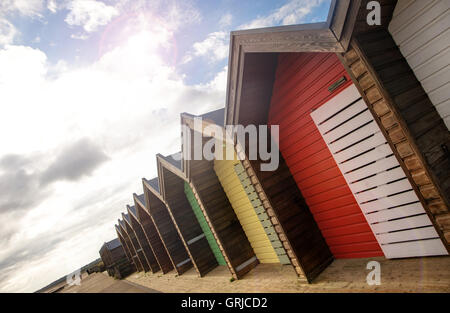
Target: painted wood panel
[
  {"x": 301, "y": 85},
  {"x": 184, "y": 220},
  {"x": 244, "y": 210},
  {"x": 261, "y": 213},
  {"x": 421, "y": 29},
  {"x": 204, "y": 225},
  {"x": 391, "y": 207}
]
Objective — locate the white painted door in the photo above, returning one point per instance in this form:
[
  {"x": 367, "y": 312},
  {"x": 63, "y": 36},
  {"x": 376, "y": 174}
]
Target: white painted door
[{"x": 378, "y": 183}]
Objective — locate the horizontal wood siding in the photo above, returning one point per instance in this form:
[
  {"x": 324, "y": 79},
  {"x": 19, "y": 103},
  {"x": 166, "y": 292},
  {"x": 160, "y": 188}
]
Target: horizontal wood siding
[
  {"x": 301, "y": 86},
  {"x": 407, "y": 118},
  {"x": 155, "y": 241},
  {"x": 168, "y": 233},
  {"x": 375, "y": 177},
  {"x": 244, "y": 211},
  {"x": 421, "y": 29},
  {"x": 204, "y": 225},
  {"x": 186, "y": 223}
]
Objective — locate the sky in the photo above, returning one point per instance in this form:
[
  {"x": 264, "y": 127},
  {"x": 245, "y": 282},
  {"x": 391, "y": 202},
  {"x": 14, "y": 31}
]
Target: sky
[{"x": 90, "y": 92}]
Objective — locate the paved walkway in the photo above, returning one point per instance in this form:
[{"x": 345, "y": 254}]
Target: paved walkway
[
  {"x": 102, "y": 283},
  {"x": 402, "y": 275}
]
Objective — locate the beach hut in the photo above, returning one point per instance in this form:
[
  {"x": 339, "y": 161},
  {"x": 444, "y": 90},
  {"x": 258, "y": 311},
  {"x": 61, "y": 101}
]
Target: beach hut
[
  {"x": 142, "y": 239},
  {"x": 134, "y": 255},
  {"x": 164, "y": 225},
  {"x": 115, "y": 260},
  {"x": 214, "y": 203},
  {"x": 172, "y": 182},
  {"x": 123, "y": 243},
  {"x": 363, "y": 164},
  {"x": 135, "y": 242},
  {"x": 152, "y": 234},
  {"x": 244, "y": 198}
]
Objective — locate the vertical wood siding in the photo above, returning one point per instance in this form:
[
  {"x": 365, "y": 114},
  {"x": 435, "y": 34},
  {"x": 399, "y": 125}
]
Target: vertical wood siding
[
  {"x": 244, "y": 211},
  {"x": 168, "y": 233},
  {"x": 204, "y": 225},
  {"x": 301, "y": 85},
  {"x": 186, "y": 223},
  {"x": 143, "y": 241},
  {"x": 220, "y": 215},
  {"x": 134, "y": 257},
  {"x": 261, "y": 213},
  {"x": 421, "y": 29},
  {"x": 136, "y": 245},
  {"x": 155, "y": 241}
]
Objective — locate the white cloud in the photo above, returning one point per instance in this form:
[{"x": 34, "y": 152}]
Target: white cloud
[
  {"x": 90, "y": 14},
  {"x": 30, "y": 8},
  {"x": 214, "y": 47},
  {"x": 7, "y": 32},
  {"x": 53, "y": 5},
  {"x": 225, "y": 20},
  {"x": 294, "y": 12},
  {"x": 79, "y": 36},
  {"x": 127, "y": 103}
]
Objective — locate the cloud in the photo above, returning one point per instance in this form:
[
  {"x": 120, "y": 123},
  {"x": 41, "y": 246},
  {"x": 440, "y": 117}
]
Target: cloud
[
  {"x": 90, "y": 14},
  {"x": 127, "y": 103},
  {"x": 7, "y": 32},
  {"x": 30, "y": 8},
  {"x": 79, "y": 36},
  {"x": 19, "y": 185},
  {"x": 75, "y": 161},
  {"x": 23, "y": 186},
  {"x": 225, "y": 20},
  {"x": 214, "y": 47},
  {"x": 293, "y": 12}
]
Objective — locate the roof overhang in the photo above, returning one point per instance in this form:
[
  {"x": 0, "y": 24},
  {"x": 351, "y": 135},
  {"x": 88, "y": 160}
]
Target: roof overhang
[{"x": 253, "y": 54}]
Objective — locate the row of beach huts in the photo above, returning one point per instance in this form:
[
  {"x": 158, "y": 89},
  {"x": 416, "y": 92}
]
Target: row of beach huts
[{"x": 364, "y": 163}]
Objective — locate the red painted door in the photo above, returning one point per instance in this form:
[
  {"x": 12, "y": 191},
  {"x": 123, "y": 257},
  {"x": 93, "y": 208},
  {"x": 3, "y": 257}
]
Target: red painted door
[{"x": 301, "y": 85}]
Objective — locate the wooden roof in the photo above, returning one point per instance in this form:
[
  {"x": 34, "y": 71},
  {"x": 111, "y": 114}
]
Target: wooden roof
[
  {"x": 115, "y": 243},
  {"x": 253, "y": 55}
]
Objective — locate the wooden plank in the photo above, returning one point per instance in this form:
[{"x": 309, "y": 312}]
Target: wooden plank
[
  {"x": 415, "y": 248},
  {"x": 341, "y": 117},
  {"x": 373, "y": 141},
  {"x": 404, "y": 223},
  {"x": 349, "y": 126},
  {"x": 384, "y": 191},
  {"x": 378, "y": 153},
  {"x": 406, "y": 235},
  {"x": 377, "y": 180},
  {"x": 354, "y": 137},
  {"x": 389, "y": 202},
  {"x": 336, "y": 104},
  {"x": 399, "y": 212},
  {"x": 374, "y": 168}
]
